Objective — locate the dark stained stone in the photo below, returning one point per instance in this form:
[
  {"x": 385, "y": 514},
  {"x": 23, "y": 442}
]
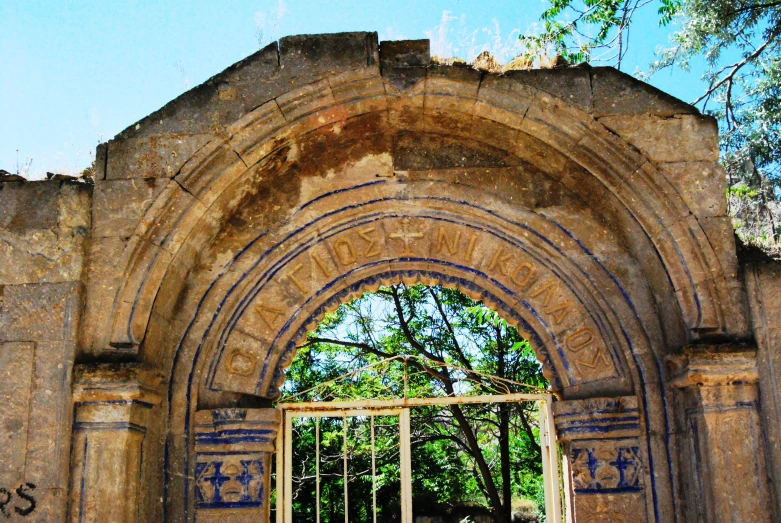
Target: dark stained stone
[{"x": 617, "y": 93}]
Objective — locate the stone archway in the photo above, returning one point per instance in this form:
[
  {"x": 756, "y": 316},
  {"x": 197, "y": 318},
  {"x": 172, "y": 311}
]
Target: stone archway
[{"x": 585, "y": 206}]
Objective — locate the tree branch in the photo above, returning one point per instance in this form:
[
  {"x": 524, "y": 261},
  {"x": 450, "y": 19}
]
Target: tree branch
[
  {"x": 527, "y": 428},
  {"x": 735, "y": 67},
  {"x": 461, "y": 356},
  {"x": 406, "y": 329}
]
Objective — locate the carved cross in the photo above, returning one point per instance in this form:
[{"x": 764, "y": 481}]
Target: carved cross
[
  {"x": 209, "y": 473},
  {"x": 623, "y": 463},
  {"x": 405, "y": 236},
  {"x": 585, "y": 465}
]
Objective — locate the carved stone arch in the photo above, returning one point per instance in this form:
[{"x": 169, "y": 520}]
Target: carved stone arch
[
  {"x": 267, "y": 186},
  {"x": 345, "y": 236},
  {"x": 508, "y": 113}
]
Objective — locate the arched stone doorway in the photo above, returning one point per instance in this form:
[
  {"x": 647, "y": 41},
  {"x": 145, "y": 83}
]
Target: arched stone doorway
[{"x": 581, "y": 204}]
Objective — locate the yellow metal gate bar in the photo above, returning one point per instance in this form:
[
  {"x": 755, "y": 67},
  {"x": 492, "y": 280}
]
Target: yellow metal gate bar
[{"x": 400, "y": 408}]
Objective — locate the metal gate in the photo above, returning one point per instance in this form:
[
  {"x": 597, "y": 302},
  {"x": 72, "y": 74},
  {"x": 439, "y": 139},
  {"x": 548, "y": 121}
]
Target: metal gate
[{"x": 399, "y": 408}]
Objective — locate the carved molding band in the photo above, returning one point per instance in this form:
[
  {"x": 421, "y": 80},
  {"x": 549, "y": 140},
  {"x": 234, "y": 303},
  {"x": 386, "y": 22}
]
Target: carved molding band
[
  {"x": 597, "y": 418},
  {"x": 713, "y": 365}
]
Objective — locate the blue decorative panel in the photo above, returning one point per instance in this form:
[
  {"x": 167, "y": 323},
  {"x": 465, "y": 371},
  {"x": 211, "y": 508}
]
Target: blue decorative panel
[
  {"x": 605, "y": 468},
  {"x": 229, "y": 482}
]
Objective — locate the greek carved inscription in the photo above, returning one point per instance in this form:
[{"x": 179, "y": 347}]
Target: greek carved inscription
[
  {"x": 241, "y": 363},
  {"x": 470, "y": 248},
  {"x": 344, "y": 250},
  {"x": 368, "y": 235},
  {"x": 579, "y": 339},
  {"x": 451, "y": 241},
  {"x": 522, "y": 274},
  {"x": 546, "y": 290},
  {"x": 558, "y": 312},
  {"x": 296, "y": 279},
  {"x": 589, "y": 355},
  {"x": 513, "y": 267},
  {"x": 269, "y": 314},
  {"x": 582, "y": 339},
  {"x": 320, "y": 264},
  {"x": 501, "y": 261},
  {"x": 598, "y": 358},
  {"x": 444, "y": 241}
]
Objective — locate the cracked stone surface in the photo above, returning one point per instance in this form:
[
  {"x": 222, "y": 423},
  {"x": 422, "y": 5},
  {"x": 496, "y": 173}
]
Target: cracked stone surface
[{"x": 586, "y": 207}]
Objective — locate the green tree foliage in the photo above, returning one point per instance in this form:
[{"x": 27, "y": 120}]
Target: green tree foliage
[
  {"x": 738, "y": 40},
  {"x": 444, "y": 343}
]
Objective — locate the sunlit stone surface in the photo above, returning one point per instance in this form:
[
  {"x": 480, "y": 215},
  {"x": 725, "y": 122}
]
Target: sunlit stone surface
[{"x": 585, "y": 206}]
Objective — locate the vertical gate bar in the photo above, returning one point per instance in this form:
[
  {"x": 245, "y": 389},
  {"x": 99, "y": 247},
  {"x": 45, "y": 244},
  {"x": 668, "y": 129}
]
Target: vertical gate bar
[
  {"x": 288, "y": 491},
  {"x": 566, "y": 505},
  {"x": 406, "y": 466},
  {"x": 284, "y": 480},
  {"x": 374, "y": 473},
  {"x": 344, "y": 447},
  {"x": 280, "y": 475},
  {"x": 317, "y": 469},
  {"x": 545, "y": 451},
  {"x": 554, "y": 459},
  {"x": 549, "y": 464}
]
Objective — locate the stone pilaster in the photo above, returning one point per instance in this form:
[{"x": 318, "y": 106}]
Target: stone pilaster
[
  {"x": 763, "y": 280},
  {"x": 721, "y": 439},
  {"x": 112, "y": 412},
  {"x": 233, "y": 450},
  {"x": 605, "y": 460}
]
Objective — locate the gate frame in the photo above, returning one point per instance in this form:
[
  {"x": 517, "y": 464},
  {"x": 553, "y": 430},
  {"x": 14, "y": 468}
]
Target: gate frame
[{"x": 401, "y": 407}]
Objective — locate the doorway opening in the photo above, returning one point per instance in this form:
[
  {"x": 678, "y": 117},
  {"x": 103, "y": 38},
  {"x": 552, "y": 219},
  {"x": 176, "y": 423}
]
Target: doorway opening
[{"x": 416, "y": 403}]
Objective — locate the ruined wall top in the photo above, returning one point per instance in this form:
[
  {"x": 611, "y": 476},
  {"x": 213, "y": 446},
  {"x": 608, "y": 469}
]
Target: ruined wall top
[
  {"x": 294, "y": 61},
  {"x": 221, "y": 228},
  {"x": 653, "y": 153}
]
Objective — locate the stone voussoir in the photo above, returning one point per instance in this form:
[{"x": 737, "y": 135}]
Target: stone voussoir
[{"x": 584, "y": 206}]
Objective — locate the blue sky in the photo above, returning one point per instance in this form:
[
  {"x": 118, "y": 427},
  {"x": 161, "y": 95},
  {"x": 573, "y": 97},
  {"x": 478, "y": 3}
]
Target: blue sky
[{"x": 74, "y": 73}]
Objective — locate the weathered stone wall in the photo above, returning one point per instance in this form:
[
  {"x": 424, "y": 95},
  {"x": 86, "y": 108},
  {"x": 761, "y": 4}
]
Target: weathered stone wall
[
  {"x": 586, "y": 206},
  {"x": 43, "y": 231},
  {"x": 763, "y": 281},
  {"x": 656, "y": 155}
]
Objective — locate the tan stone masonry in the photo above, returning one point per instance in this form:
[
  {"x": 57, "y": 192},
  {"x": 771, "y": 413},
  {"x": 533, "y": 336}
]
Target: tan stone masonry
[{"x": 584, "y": 206}]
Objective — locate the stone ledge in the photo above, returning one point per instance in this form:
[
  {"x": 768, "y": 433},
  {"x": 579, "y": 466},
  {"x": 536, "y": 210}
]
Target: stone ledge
[
  {"x": 44, "y": 204},
  {"x": 617, "y": 93},
  {"x": 713, "y": 365},
  {"x": 116, "y": 382},
  {"x": 571, "y": 84},
  {"x": 275, "y": 69},
  {"x": 404, "y": 54},
  {"x": 190, "y": 120},
  {"x": 215, "y": 429},
  {"x": 597, "y": 418}
]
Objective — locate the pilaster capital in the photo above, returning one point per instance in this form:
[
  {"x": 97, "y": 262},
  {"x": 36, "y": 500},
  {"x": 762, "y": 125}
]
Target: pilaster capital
[
  {"x": 116, "y": 383},
  {"x": 113, "y": 404},
  {"x": 596, "y": 418},
  {"x": 250, "y": 430},
  {"x": 713, "y": 365}
]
